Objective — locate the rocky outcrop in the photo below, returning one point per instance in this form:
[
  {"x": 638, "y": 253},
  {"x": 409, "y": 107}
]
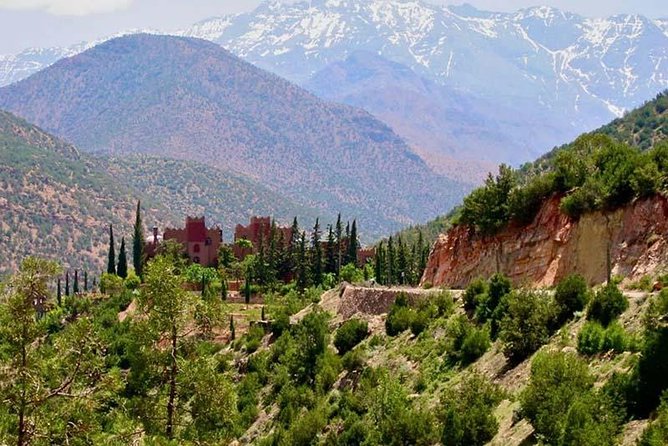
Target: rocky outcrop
[{"x": 554, "y": 245}]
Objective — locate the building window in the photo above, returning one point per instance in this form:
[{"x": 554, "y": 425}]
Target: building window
[
  {"x": 207, "y": 242},
  {"x": 196, "y": 248},
  {"x": 195, "y": 259}
]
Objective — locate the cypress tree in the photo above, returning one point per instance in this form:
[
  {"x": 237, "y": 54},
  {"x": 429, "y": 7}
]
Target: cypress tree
[
  {"x": 67, "y": 283},
  {"x": 94, "y": 283},
  {"x": 138, "y": 242},
  {"x": 75, "y": 287},
  {"x": 302, "y": 275},
  {"x": 59, "y": 295},
  {"x": 111, "y": 263},
  {"x": 262, "y": 317},
  {"x": 85, "y": 281},
  {"x": 330, "y": 264},
  {"x": 339, "y": 244},
  {"x": 390, "y": 277},
  {"x": 316, "y": 254},
  {"x": 232, "y": 334},
  {"x": 247, "y": 287},
  {"x": 293, "y": 249},
  {"x": 122, "y": 269},
  {"x": 423, "y": 252},
  {"x": 379, "y": 262},
  {"x": 353, "y": 244},
  {"x": 402, "y": 261}
]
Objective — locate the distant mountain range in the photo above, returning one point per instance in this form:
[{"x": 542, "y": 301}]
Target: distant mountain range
[
  {"x": 495, "y": 87},
  {"x": 190, "y": 99}
]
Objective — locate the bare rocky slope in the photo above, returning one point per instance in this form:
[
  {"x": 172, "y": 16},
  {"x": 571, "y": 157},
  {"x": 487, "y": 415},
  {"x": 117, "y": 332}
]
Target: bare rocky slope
[{"x": 555, "y": 245}]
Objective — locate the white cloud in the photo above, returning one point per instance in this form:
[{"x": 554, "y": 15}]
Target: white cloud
[{"x": 67, "y": 7}]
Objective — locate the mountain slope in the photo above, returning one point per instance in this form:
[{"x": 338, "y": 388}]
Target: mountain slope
[
  {"x": 190, "y": 99},
  {"x": 55, "y": 202}
]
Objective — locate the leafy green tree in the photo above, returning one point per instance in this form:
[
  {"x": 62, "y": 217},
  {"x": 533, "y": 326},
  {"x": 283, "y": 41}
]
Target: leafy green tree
[
  {"x": 111, "y": 263},
  {"x": 43, "y": 378},
  {"x": 557, "y": 381},
  {"x": 526, "y": 324},
  {"x": 138, "y": 243},
  {"x": 608, "y": 303},
  {"x": 316, "y": 254},
  {"x": 349, "y": 334},
  {"x": 487, "y": 208},
  {"x": 571, "y": 295},
  {"x": 122, "y": 265},
  {"x": 468, "y": 412}
]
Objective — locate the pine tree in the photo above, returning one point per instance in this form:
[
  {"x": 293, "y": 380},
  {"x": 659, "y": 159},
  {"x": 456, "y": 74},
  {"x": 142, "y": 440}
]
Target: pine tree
[
  {"x": 75, "y": 286},
  {"x": 330, "y": 255},
  {"x": 138, "y": 243},
  {"x": 353, "y": 244},
  {"x": 339, "y": 244},
  {"x": 390, "y": 268},
  {"x": 423, "y": 252},
  {"x": 67, "y": 283},
  {"x": 402, "y": 261},
  {"x": 316, "y": 254},
  {"x": 293, "y": 249},
  {"x": 59, "y": 295},
  {"x": 379, "y": 264},
  {"x": 122, "y": 269},
  {"x": 302, "y": 270},
  {"x": 111, "y": 263}
]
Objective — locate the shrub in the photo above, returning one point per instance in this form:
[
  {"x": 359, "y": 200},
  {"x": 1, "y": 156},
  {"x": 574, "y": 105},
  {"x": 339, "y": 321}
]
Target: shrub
[
  {"x": 475, "y": 288},
  {"x": 354, "y": 360},
  {"x": 444, "y": 303},
  {"x": 557, "y": 381},
  {"x": 110, "y": 284},
  {"x": 571, "y": 295},
  {"x": 590, "y": 338},
  {"x": 468, "y": 412},
  {"x": 349, "y": 334},
  {"x": 525, "y": 327},
  {"x": 608, "y": 303},
  {"x": 420, "y": 322},
  {"x": 475, "y": 344},
  {"x": 132, "y": 282},
  {"x": 254, "y": 338},
  {"x": 615, "y": 338},
  {"x": 351, "y": 274},
  {"x": 400, "y": 317}
]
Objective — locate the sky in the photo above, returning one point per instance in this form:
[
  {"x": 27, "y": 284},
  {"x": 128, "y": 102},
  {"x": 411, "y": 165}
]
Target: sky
[{"x": 48, "y": 23}]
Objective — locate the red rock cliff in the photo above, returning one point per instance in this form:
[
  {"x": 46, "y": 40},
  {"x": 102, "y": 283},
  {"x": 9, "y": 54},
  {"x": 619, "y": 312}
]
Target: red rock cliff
[{"x": 554, "y": 245}]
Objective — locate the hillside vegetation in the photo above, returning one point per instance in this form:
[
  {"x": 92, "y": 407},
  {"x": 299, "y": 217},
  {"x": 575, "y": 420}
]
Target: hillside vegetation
[
  {"x": 190, "y": 99},
  {"x": 54, "y": 202}
]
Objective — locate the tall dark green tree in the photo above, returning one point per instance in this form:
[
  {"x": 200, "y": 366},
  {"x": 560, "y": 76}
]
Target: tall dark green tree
[
  {"x": 293, "y": 249},
  {"x": 316, "y": 254},
  {"x": 67, "y": 283},
  {"x": 390, "y": 263},
  {"x": 122, "y": 268},
  {"x": 353, "y": 244},
  {"x": 85, "y": 278},
  {"x": 75, "y": 286},
  {"x": 379, "y": 268},
  {"x": 423, "y": 253},
  {"x": 111, "y": 262},
  {"x": 138, "y": 243},
  {"x": 302, "y": 267},
  {"x": 339, "y": 244},
  {"x": 402, "y": 262},
  {"x": 330, "y": 254},
  {"x": 59, "y": 295}
]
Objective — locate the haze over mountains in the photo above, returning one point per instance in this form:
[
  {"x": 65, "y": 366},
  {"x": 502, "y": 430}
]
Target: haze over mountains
[
  {"x": 538, "y": 77},
  {"x": 190, "y": 99}
]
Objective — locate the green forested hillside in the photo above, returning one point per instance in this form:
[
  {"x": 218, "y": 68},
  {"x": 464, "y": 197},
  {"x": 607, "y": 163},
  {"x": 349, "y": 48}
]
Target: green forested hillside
[
  {"x": 55, "y": 202},
  {"x": 190, "y": 188}
]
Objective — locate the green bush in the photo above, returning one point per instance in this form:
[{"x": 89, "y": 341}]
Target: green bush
[
  {"x": 475, "y": 288},
  {"x": 608, "y": 303},
  {"x": 526, "y": 325},
  {"x": 444, "y": 302},
  {"x": 254, "y": 338},
  {"x": 420, "y": 322},
  {"x": 475, "y": 344},
  {"x": 590, "y": 338},
  {"x": 111, "y": 284},
  {"x": 571, "y": 295},
  {"x": 557, "y": 381},
  {"x": 349, "y": 334},
  {"x": 615, "y": 339},
  {"x": 354, "y": 360},
  {"x": 400, "y": 317},
  {"x": 467, "y": 413},
  {"x": 132, "y": 282},
  {"x": 351, "y": 274}
]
